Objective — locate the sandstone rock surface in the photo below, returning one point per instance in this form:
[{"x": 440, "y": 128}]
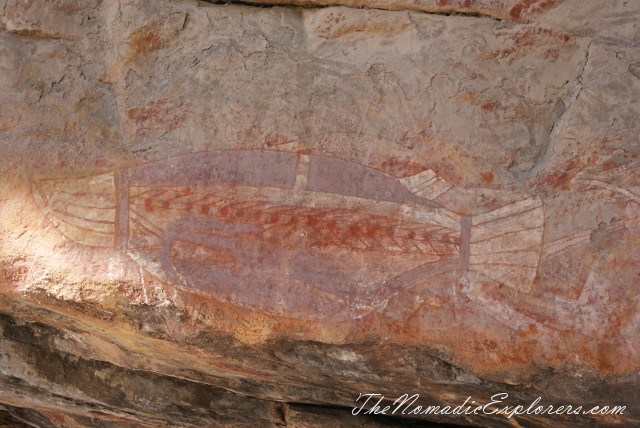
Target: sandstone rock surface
[{"x": 219, "y": 214}]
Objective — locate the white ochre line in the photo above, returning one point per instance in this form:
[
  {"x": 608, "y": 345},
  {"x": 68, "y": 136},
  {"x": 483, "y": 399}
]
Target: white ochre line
[{"x": 302, "y": 173}]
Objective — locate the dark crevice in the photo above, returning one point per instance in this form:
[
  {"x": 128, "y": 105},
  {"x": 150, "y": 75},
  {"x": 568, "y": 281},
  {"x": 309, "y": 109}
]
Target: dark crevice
[
  {"x": 338, "y": 3},
  {"x": 15, "y": 417},
  {"x": 362, "y": 419}
]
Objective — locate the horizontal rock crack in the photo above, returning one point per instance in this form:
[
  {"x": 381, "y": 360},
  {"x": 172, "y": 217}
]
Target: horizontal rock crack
[{"x": 391, "y": 7}]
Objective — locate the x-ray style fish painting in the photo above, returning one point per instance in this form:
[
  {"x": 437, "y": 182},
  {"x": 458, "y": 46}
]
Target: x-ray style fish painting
[{"x": 290, "y": 233}]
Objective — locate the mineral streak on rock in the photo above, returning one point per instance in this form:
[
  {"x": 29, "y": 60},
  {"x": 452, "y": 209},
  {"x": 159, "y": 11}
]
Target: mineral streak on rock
[{"x": 248, "y": 213}]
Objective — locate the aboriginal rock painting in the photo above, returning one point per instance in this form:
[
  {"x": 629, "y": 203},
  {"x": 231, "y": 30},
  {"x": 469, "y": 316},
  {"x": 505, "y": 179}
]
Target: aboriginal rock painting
[{"x": 294, "y": 234}]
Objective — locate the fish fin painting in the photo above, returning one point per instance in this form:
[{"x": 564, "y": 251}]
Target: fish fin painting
[{"x": 290, "y": 233}]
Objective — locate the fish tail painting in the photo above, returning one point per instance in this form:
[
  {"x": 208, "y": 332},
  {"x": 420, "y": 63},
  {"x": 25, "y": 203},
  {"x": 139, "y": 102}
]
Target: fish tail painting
[
  {"x": 289, "y": 233},
  {"x": 505, "y": 244},
  {"x": 83, "y": 209}
]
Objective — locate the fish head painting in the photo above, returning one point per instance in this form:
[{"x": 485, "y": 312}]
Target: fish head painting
[{"x": 290, "y": 233}]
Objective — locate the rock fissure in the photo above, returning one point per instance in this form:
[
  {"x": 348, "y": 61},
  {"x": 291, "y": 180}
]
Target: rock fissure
[{"x": 386, "y": 6}]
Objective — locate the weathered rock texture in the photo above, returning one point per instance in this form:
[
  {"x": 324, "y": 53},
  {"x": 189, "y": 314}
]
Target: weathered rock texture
[{"x": 222, "y": 214}]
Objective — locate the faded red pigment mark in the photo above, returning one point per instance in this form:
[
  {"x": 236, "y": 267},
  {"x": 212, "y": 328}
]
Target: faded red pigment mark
[
  {"x": 465, "y": 4},
  {"x": 549, "y": 41},
  {"x": 150, "y": 37},
  {"x": 400, "y": 167},
  {"x": 158, "y": 117},
  {"x": 561, "y": 177},
  {"x": 489, "y": 106},
  {"x": 523, "y": 10}
]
